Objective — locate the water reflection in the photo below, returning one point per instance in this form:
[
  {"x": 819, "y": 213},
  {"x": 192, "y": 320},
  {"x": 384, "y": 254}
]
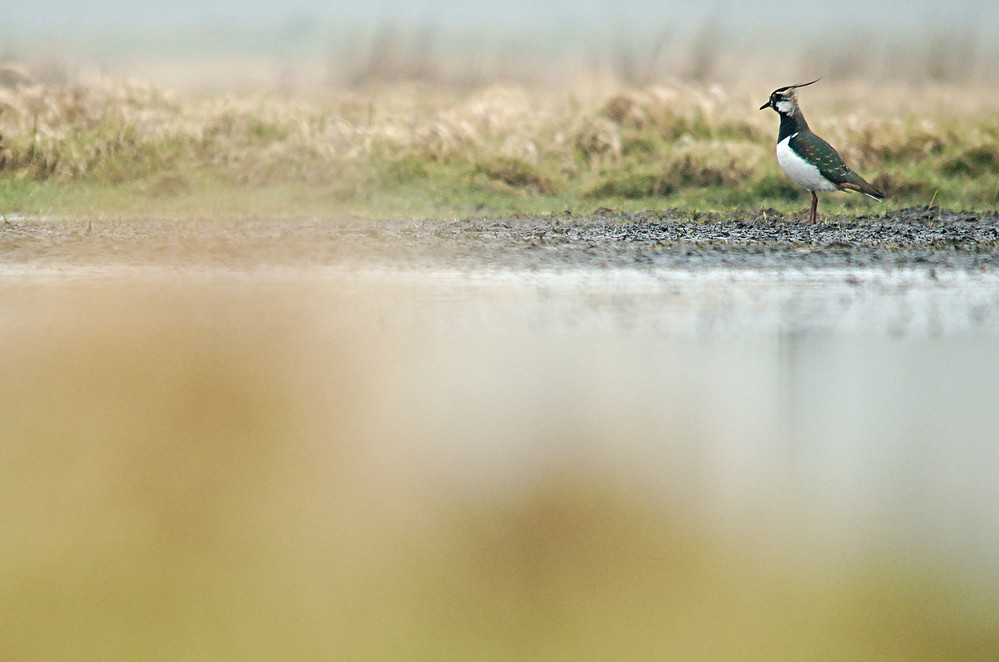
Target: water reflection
[
  {"x": 859, "y": 402},
  {"x": 898, "y": 436}
]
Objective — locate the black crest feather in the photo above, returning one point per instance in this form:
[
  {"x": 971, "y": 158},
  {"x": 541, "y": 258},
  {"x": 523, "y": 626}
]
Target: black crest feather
[{"x": 792, "y": 87}]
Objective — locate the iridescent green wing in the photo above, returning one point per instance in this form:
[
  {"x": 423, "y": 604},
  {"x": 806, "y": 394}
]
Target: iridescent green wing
[
  {"x": 822, "y": 155},
  {"x": 830, "y": 164}
]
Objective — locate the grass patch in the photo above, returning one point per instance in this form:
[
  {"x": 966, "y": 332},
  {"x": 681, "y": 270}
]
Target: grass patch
[
  {"x": 974, "y": 161},
  {"x": 516, "y": 175},
  {"x": 406, "y": 150}
]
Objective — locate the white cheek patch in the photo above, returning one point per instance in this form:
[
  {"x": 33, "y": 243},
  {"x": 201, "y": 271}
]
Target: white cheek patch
[{"x": 784, "y": 107}]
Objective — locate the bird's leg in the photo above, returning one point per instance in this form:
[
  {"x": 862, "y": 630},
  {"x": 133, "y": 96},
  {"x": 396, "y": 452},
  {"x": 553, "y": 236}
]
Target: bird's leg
[{"x": 815, "y": 207}]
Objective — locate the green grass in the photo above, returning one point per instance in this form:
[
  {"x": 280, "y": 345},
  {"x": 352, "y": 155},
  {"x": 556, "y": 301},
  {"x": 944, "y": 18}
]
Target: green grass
[{"x": 418, "y": 152}]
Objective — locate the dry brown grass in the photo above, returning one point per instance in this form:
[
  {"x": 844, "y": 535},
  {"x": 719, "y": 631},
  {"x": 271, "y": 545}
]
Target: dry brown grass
[{"x": 666, "y": 144}]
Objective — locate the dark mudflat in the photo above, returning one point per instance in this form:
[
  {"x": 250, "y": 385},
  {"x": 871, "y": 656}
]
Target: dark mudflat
[{"x": 918, "y": 237}]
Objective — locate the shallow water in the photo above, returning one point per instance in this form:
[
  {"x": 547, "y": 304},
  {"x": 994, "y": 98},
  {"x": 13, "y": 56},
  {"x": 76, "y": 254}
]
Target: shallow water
[{"x": 857, "y": 403}]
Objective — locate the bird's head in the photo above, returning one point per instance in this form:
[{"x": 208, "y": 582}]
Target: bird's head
[{"x": 783, "y": 100}]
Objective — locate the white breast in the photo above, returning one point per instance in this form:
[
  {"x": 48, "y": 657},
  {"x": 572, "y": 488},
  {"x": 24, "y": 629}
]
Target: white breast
[{"x": 801, "y": 171}]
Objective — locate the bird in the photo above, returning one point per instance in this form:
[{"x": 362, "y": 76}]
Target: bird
[{"x": 807, "y": 159}]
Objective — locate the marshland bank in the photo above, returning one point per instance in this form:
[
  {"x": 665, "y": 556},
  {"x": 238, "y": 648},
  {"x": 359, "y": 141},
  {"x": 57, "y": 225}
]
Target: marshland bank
[
  {"x": 420, "y": 151},
  {"x": 912, "y": 273}
]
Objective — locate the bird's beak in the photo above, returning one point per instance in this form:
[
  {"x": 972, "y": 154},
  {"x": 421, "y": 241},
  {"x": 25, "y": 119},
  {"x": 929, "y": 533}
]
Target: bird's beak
[{"x": 768, "y": 104}]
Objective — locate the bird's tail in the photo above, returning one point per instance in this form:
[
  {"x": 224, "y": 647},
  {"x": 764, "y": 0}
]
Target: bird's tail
[{"x": 861, "y": 185}]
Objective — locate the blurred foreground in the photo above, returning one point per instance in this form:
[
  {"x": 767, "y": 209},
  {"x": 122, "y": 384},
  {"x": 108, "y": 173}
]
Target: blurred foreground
[{"x": 205, "y": 463}]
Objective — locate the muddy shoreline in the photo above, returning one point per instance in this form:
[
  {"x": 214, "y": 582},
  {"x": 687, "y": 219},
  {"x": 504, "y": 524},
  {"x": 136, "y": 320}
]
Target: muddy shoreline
[{"x": 925, "y": 238}]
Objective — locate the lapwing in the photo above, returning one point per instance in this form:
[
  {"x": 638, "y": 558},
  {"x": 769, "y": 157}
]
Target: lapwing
[{"x": 807, "y": 159}]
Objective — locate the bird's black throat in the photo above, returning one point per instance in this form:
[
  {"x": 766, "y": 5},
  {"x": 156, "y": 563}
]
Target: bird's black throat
[{"x": 790, "y": 125}]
